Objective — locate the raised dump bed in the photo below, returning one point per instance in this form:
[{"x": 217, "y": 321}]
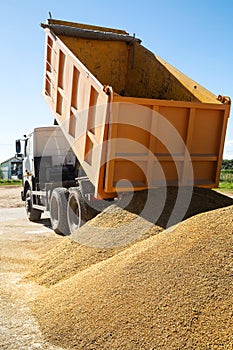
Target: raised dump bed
[{"x": 133, "y": 121}]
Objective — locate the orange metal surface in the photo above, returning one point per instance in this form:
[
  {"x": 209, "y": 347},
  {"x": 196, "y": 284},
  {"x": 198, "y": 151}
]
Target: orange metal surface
[
  {"x": 168, "y": 130},
  {"x": 165, "y": 127}
]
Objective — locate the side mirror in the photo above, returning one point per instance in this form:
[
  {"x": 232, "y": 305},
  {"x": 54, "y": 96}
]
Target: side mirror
[
  {"x": 18, "y": 149},
  {"x": 18, "y": 146}
]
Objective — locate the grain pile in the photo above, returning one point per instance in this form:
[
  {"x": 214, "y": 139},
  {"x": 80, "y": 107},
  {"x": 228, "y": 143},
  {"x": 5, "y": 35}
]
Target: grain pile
[
  {"x": 172, "y": 290},
  {"x": 111, "y": 232},
  {"x": 69, "y": 257}
]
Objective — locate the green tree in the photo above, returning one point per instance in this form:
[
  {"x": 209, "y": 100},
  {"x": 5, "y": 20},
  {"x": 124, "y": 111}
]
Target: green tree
[{"x": 227, "y": 164}]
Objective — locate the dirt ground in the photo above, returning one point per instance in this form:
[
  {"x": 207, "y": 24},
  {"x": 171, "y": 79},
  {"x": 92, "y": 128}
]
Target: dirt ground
[
  {"x": 10, "y": 197},
  {"x": 23, "y": 243}
]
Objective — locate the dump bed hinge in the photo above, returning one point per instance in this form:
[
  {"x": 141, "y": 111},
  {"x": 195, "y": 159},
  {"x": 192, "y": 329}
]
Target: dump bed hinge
[{"x": 224, "y": 99}]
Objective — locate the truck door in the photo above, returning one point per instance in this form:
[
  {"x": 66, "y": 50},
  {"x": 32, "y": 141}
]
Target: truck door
[{"x": 28, "y": 165}]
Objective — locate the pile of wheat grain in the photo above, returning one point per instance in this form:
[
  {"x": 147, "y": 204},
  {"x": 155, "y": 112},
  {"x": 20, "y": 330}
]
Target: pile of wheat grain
[
  {"x": 70, "y": 257},
  {"x": 172, "y": 290},
  {"x": 112, "y": 231}
]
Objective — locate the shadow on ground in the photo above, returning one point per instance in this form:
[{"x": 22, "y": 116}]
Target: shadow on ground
[{"x": 167, "y": 206}]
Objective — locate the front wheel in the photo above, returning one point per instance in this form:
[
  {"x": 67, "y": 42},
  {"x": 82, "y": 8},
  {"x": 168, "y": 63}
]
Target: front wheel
[{"x": 32, "y": 214}]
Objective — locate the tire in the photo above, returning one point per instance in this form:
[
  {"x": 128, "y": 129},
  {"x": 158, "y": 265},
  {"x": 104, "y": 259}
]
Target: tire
[
  {"x": 58, "y": 211},
  {"x": 32, "y": 214},
  {"x": 78, "y": 211}
]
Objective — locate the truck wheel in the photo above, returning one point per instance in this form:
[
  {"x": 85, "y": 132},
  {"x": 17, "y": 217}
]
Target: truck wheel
[
  {"x": 58, "y": 211},
  {"x": 78, "y": 211},
  {"x": 32, "y": 214}
]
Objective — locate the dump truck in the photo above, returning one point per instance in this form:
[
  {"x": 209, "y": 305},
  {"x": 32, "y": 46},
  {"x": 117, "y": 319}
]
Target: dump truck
[{"x": 126, "y": 121}]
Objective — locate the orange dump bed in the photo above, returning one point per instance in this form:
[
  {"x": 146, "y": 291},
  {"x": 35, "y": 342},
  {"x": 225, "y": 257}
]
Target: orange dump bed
[{"x": 133, "y": 121}]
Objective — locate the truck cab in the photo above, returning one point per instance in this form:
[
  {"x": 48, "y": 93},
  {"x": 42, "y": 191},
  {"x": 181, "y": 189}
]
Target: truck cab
[{"x": 48, "y": 162}]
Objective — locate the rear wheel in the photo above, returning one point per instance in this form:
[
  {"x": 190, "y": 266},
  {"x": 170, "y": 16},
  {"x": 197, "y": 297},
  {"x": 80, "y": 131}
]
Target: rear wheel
[
  {"x": 78, "y": 210},
  {"x": 32, "y": 214},
  {"x": 58, "y": 211}
]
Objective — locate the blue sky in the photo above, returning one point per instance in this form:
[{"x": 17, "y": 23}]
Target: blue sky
[{"x": 194, "y": 36}]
